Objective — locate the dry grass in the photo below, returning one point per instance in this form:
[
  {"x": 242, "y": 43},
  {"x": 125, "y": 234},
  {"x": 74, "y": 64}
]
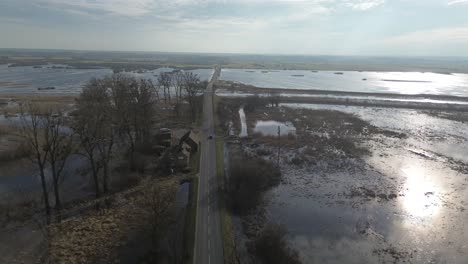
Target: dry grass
[
  {"x": 12, "y": 146},
  {"x": 100, "y": 236},
  {"x": 64, "y": 102},
  {"x": 17, "y": 152},
  {"x": 289, "y": 141},
  {"x": 6, "y": 129}
]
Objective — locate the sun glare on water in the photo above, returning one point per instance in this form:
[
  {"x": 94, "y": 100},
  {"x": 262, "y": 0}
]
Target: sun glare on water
[{"x": 420, "y": 197}]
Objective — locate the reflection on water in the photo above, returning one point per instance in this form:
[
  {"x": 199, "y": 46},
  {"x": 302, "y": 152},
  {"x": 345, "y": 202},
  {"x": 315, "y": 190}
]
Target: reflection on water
[
  {"x": 416, "y": 208},
  {"x": 243, "y": 132},
  {"x": 182, "y": 195},
  {"x": 27, "y": 79},
  {"x": 270, "y": 128},
  {"x": 418, "y": 83},
  {"x": 407, "y": 82},
  {"x": 419, "y": 193}
]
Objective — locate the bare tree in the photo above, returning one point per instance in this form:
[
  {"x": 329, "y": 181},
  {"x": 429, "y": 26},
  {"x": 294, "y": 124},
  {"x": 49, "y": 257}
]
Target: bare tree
[
  {"x": 157, "y": 204},
  {"x": 153, "y": 87},
  {"x": 105, "y": 147},
  {"x": 133, "y": 101},
  {"x": 143, "y": 110},
  {"x": 178, "y": 83},
  {"x": 165, "y": 81},
  {"x": 59, "y": 143},
  {"x": 193, "y": 87},
  {"x": 121, "y": 87},
  {"x": 274, "y": 98},
  {"x": 93, "y": 123},
  {"x": 32, "y": 125}
]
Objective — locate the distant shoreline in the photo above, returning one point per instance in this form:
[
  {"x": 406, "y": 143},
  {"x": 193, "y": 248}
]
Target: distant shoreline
[{"x": 179, "y": 60}]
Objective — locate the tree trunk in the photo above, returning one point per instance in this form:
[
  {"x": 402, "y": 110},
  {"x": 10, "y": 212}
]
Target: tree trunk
[
  {"x": 58, "y": 204},
  {"x": 104, "y": 180},
  {"x": 95, "y": 177},
  {"x": 45, "y": 193},
  {"x": 169, "y": 93}
]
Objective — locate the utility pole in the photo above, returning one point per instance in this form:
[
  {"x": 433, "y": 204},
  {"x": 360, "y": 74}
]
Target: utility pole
[{"x": 279, "y": 145}]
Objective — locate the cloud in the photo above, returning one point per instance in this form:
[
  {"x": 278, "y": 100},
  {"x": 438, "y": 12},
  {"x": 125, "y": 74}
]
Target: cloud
[
  {"x": 434, "y": 36},
  {"x": 364, "y": 5},
  {"x": 139, "y": 8},
  {"x": 133, "y": 8},
  {"x": 457, "y": 2}
]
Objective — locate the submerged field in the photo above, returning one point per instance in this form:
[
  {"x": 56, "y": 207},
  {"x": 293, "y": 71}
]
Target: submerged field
[
  {"x": 455, "y": 84},
  {"x": 360, "y": 185},
  {"x": 52, "y": 79}
]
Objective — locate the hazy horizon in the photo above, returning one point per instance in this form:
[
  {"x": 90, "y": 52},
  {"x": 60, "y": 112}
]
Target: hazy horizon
[{"x": 235, "y": 53}]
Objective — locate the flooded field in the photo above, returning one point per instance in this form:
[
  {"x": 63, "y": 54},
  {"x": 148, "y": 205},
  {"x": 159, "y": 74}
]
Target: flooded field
[
  {"x": 272, "y": 128},
  {"x": 65, "y": 80},
  {"x": 366, "y": 185},
  {"x": 394, "y": 82}
]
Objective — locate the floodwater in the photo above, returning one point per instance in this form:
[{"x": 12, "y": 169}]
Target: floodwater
[
  {"x": 25, "y": 180},
  {"x": 21, "y": 80},
  {"x": 353, "y": 81},
  {"x": 28, "y": 79},
  {"x": 243, "y": 132},
  {"x": 270, "y": 128},
  {"x": 182, "y": 195},
  {"x": 24, "y": 177},
  {"x": 436, "y": 135},
  {"x": 405, "y": 202}
]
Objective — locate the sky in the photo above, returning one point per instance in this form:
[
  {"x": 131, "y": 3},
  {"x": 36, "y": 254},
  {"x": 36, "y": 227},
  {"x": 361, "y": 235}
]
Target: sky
[{"x": 315, "y": 27}]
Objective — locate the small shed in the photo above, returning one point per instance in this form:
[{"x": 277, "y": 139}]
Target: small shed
[{"x": 188, "y": 143}]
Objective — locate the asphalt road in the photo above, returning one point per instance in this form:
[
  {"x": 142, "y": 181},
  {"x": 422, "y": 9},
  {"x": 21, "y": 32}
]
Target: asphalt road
[{"x": 208, "y": 241}]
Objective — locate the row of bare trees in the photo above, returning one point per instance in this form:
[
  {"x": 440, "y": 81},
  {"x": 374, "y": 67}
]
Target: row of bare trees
[
  {"x": 118, "y": 108},
  {"x": 185, "y": 84},
  {"x": 115, "y": 109}
]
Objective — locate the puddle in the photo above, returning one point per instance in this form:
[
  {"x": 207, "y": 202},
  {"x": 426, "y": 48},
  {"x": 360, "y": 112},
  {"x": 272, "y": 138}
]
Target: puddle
[
  {"x": 182, "y": 195},
  {"x": 270, "y": 128}
]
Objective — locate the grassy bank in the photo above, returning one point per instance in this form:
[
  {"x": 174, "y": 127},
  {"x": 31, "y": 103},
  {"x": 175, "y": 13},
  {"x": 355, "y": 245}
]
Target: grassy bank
[
  {"x": 191, "y": 216},
  {"x": 190, "y": 222},
  {"x": 227, "y": 229}
]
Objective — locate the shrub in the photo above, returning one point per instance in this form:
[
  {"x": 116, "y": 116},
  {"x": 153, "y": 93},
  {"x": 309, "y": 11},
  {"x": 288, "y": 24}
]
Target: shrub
[
  {"x": 124, "y": 181},
  {"x": 271, "y": 246},
  {"x": 248, "y": 179},
  {"x": 253, "y": 102},
  {"x": 21, "y": 150}
]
